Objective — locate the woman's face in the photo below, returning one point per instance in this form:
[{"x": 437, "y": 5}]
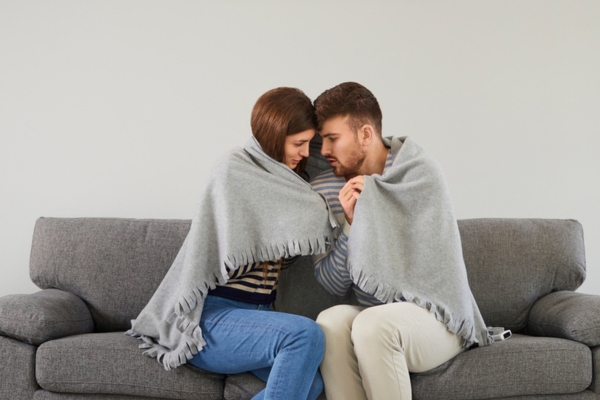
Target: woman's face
[{"x": 296, "y": 147}]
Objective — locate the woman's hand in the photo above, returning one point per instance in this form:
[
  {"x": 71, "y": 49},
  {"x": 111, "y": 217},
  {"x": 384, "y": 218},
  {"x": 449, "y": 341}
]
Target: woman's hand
[{"x": 349, "y": 195}]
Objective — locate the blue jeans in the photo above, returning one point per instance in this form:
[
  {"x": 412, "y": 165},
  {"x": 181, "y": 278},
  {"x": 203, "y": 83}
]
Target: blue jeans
[{"x": 284, "y": 350}]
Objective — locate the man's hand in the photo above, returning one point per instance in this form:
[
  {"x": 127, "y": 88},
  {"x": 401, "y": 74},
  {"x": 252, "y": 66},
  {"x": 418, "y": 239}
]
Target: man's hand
[{"x": 349, "y": 195}]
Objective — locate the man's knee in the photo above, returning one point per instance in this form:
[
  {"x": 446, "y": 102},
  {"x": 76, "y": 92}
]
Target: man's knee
[
  {"x": 367, "y": 327},
  {"x": 387, "y": 324}
]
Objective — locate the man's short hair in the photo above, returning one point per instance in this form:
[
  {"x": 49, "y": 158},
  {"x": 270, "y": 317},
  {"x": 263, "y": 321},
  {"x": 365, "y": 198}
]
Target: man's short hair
[{"x": 352, "y": 100}]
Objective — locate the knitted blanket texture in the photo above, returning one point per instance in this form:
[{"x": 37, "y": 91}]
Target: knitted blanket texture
[
  {"x": 252, "y": 209},
  {"x": 404, "y": 242}
]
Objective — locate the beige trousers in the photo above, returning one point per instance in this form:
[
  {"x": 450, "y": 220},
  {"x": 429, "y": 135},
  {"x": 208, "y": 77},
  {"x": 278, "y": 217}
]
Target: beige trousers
[{"x": 369, "y": 352}]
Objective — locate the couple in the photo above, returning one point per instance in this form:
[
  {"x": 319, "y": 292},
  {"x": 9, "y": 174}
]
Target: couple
[{"x": 386, "y": 230}]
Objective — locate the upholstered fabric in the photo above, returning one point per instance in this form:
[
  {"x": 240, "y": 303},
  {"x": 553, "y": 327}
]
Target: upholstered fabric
[
  {"x": 42, "y": 316},
  {"x": 45, "y": 395},
  {"x": 245, "y": 386},
  {"x": 114, "y": 265},
  {"x": 522, "y": 365},
  {"x": 242, "y": 386},
  {"x": 568, "y": 315},
  {"x": 292, "y": 294},
  {"x": 513, "y": 262},
  {"x": 111, "y": 363},
  {"x": 595, "y": 386},
  {"x": 585, "y": 395},
  {"x": 511, "y": 265},
  {"x": 17, "y": 369}
]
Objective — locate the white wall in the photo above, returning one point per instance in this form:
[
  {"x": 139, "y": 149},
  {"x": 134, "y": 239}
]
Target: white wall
[{"x": 117, "y": 108}]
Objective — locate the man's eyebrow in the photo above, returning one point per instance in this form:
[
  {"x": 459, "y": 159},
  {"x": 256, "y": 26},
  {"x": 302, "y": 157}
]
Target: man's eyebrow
[{"x": 324, "y": 135}]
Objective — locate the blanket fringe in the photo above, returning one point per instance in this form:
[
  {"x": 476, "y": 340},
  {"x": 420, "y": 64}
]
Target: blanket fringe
[
  {"x": 276, "y": 251},
  {"x": 191, "y": 343},
  {"x": 191, "y": 333},
  {"x": 386, "y": 294}
]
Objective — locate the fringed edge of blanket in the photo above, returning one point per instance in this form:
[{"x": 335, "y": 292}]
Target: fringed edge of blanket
[
  {"x": 277, "y": 251},
  {"x": 301, "y": 247},
  {"x": 462, "y": 327},
  {"x": 192, "y": 341}
]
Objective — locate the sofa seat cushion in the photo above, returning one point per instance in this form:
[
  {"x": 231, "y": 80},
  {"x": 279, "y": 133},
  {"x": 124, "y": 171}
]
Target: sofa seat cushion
[
  {"x": 112, "y": 363},
  {"x": 242, "y": 386},
  {"x": 522, "y": 365},
  {"x": 17, "y": 369},
  {"x": 46, "y": 395},
  {"x": 245, "y": 386}
]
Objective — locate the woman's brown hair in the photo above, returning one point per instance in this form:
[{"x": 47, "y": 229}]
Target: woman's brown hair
[{"x": 278, "y": 113}]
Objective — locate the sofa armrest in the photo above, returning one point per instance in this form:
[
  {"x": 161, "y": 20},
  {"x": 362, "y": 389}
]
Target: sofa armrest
[
  {"x": 568, "y": 315},
  {"x": 39, "y": 317}
]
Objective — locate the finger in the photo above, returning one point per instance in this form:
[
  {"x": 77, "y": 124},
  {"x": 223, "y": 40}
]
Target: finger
[
  {"x": 358, "y": 186},
  {"x": 344, "y": 194},
  {"x": 358, "y": 182},
  {"x": 358, "y": 178},
  {"x": 347, "y": 188}
]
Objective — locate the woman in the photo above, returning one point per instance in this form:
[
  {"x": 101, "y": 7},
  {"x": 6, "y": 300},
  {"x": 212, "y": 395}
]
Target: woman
[{"x": 256, "y": 212}]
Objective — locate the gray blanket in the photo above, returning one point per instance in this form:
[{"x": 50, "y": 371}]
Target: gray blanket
[
  {"x": 404, "y": 242},
  {"x": 252, "y": 209}
]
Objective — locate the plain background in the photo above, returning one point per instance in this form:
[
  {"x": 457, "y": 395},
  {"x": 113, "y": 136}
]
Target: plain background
[{"x": 118, "y": 108}]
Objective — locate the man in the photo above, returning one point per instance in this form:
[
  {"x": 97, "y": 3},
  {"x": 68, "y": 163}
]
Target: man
[{"x": 398, "y": 248}]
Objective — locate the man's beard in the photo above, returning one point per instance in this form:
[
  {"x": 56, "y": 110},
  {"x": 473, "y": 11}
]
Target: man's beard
[{"x": 351, "y": 167}]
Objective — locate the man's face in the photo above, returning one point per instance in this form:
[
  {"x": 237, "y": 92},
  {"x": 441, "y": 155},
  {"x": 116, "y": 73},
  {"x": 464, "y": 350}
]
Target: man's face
[{"x": 341, "y": 147}]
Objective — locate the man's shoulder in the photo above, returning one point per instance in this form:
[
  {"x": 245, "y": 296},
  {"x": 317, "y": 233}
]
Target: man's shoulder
[{"x": 326, "y": 180}]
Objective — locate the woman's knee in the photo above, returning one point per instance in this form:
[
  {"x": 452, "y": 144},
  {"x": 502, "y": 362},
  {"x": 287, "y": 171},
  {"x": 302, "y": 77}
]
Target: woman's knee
[{"x": 309, "y": 333}]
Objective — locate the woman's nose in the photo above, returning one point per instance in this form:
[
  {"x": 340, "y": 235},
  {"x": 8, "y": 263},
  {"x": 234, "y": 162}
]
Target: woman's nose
[{"x": 304, "y": 151}]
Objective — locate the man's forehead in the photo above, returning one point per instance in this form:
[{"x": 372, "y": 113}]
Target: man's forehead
[{"x": 336, "y": 125}]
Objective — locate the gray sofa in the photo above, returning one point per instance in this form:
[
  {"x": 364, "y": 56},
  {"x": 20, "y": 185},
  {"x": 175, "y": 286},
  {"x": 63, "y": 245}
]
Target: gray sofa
[{"x": 66, "y": 341}]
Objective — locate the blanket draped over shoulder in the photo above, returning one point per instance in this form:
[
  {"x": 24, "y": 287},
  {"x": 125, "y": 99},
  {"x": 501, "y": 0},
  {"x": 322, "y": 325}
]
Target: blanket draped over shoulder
[
  {"x": 252, "y": 209},
  {"x": 404, "y": 242}
]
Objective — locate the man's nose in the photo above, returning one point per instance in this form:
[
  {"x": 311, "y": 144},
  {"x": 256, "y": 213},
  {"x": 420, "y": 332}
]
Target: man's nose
[{"x": 324, "y": 149}]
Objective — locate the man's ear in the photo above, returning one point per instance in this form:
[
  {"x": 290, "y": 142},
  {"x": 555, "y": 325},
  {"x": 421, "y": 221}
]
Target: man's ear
[{"x": 367, "y": 134}]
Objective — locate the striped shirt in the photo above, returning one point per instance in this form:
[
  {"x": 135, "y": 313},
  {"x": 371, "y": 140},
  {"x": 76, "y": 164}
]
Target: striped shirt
[
  {"x": 330, "y": 268},
  {"x": 249, "y": 284}
]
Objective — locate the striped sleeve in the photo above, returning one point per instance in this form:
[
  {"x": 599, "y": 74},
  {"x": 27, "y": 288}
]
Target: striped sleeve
[{"x": 330, "y": 268}]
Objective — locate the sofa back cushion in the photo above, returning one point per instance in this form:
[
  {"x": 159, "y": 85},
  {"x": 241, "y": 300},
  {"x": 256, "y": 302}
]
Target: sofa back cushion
[
  {"x": 511, "y": 263},
  {"x": 299, "y": 292},
  {"x": 114, "y": 265}
]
